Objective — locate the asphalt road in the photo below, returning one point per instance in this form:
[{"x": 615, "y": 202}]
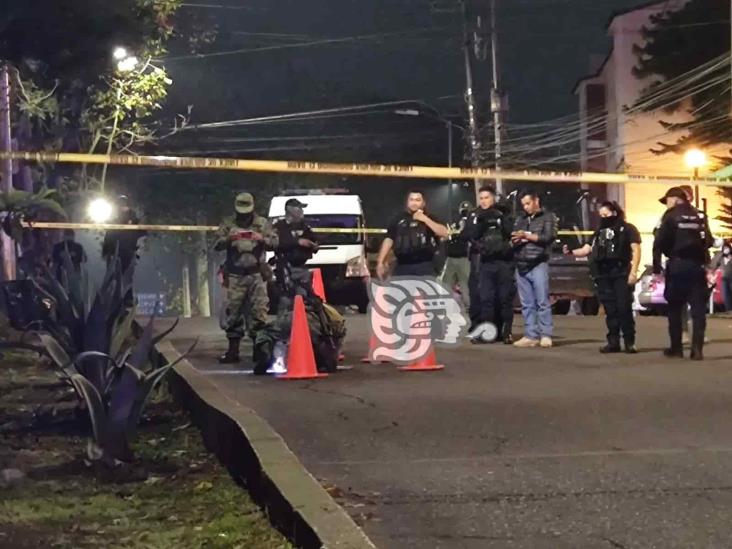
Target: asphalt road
[{"x": 514, "y": 448}]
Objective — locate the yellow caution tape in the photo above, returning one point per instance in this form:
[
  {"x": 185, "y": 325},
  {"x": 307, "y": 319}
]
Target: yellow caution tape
[
  {"x": 364, "y": 169},
  {"x": 210, "y": 228}
]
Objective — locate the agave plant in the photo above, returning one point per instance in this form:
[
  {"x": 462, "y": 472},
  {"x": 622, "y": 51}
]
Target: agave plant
[
  {"x": 19, "y": 206},
  {"x": 91, "y": 343}
]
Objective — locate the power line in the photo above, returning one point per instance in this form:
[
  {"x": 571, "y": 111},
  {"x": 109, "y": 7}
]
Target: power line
[{"x": 313, "y": 43}]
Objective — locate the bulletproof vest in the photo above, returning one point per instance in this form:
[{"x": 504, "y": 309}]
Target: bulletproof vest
[
  {"x": 244, "y": 256},
  {"x": 413, "y": 238},
  {"x": 690, "y": 234},
  {"x": 456, "y": 247},
  {"x": 611, "y": 244},
  {"x": 493, "y": 245}
]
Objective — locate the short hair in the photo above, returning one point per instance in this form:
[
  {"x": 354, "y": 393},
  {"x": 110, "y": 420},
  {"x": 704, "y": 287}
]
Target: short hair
[
  {"x": 487, "y": 189},
  {"x": 417, "y": 191},
  {"x": 613, "y": 207},
  {"x": 69, "y": 232},
  {"x": 530, "y": 193}
]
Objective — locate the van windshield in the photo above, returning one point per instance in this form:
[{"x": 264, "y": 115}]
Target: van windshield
[{"x": 336, "y": 221}]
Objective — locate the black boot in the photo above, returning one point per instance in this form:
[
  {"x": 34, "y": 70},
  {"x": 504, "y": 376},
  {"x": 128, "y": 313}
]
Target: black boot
[
  {"x": 673, "y": 353},
  {"x": 630, "y": 348},
  {"x": 231, "y": 356},
  {"x": 613, "y": 346},
  {"x": 610, "y": 348}
]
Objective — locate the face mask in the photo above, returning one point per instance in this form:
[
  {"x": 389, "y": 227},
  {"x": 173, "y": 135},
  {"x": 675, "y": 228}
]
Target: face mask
[
  {"x": 606, "y": 222},
  {"x": 244, "y": 219},
  {"x": 727, "y": 251},
  {"x": 295, "y": 213}
]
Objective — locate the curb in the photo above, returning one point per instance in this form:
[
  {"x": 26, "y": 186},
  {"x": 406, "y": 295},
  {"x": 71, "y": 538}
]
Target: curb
[{"x": 257, "y": 456}]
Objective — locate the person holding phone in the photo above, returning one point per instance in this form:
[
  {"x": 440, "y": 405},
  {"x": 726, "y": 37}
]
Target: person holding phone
[{"x": 245, "y": 238}]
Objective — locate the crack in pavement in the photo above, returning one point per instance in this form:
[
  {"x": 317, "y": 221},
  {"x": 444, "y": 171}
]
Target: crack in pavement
[
  {"x": 361, "y": 400},
  {"x": 534, "y": 496}
]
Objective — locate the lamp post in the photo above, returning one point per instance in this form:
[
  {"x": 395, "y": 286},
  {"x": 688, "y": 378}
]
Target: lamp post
[
  {"x": 434, "y": 114},
  {"x": 695, "y": 159}
]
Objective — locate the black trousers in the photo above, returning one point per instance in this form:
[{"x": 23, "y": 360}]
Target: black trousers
[
  {"x": 686, "y": 282},
  {"x": 497, "y": 292},
  {"x": 474, "y": 310},
  {"x": 425, "y": 268},
  {"x": 616, "y": 297}
]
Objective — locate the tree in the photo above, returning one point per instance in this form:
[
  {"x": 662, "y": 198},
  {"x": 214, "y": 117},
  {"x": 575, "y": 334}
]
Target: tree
[
  {"x": 679, "y": 42},
  {"x": 70, "y": 94},
  {"x": 676, "y": 43}
]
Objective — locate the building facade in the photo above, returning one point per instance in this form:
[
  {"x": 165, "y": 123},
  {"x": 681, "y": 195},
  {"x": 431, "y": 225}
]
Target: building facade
[{"x": 615, "y": 138}]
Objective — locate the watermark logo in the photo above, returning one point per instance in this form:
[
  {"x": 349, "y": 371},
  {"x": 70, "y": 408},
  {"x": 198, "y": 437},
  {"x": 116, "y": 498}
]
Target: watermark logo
[{"x": 408, "y": 315}]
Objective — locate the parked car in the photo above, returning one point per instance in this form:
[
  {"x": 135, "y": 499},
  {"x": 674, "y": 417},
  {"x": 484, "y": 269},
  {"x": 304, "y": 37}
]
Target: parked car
[{"x": 650, "y": 291}]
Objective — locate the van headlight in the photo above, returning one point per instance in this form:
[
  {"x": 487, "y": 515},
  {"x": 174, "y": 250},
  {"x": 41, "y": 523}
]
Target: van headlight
[{"x": 357, "y": 268}]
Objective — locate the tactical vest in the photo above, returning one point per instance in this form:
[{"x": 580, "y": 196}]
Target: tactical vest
[
  {"x": 690, "y": 234},
  {"x": 611, "y": 245},
  {"x": 493, "y": 244},
  {"x": 243, "y": 257},
  {"x": 414, "y": 238}
]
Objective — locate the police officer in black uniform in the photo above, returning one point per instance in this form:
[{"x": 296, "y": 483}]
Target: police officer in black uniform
[
  {"x": 684, "y": 237},
  {"x": 413, "y": 236},
  {"x": 614, "y": 258},
  {"x": 490, "y": 231},
  {"x": 296, "y": 245}
]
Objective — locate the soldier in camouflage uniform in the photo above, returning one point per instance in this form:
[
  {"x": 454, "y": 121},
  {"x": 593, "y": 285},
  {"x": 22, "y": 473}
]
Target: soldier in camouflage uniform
[{"x": 245, "y": 238}]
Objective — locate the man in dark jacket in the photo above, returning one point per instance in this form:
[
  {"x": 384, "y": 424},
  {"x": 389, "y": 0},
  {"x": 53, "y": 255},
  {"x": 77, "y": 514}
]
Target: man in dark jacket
[
  {"x": 297, "y": 244},
  {"x": 412, "y": 235},
  {"x": 533, "y": 236},
  {"x": 685, "y": 238},
  {"x": 490, "y": 232},
  {"x": 69, "y": 246},
  {"x": 123, "y": 243}
]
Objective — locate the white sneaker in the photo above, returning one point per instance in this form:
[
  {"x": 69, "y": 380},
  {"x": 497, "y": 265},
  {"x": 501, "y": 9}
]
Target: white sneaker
[
  {"x": 545, "y": 342},
  {"x": 526, "y": 342}
]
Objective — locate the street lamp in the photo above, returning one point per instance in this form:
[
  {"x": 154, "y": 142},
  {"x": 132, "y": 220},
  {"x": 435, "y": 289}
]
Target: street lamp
[
  {"x": 100, "y": 210},
  {"x": 433, "y": 113},
  {"x": 695, "y": 159}
]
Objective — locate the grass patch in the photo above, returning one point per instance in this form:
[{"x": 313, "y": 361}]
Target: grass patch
[{"x": 188, "y": 500}]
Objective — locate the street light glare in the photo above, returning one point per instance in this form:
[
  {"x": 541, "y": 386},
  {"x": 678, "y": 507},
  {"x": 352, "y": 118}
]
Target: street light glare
[
  {"x": 100, "y": 210},
  {"x": 120, "y": 53},
  {"x": 127, "y": 64},
  {"x": 695, "y": 158}
]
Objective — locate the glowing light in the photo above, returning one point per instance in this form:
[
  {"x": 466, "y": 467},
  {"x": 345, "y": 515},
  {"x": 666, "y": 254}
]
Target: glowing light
[
  {"x": 695, "y": 158},
  {"x": 100, "y": 210}
]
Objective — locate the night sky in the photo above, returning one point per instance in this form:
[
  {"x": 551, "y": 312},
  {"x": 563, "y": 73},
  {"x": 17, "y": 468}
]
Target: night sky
[{"x": 544, "y": 47}]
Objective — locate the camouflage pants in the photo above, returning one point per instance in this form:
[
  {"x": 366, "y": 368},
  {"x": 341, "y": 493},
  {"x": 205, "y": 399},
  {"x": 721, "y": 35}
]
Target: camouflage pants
[{"x": 246, "y": 306}]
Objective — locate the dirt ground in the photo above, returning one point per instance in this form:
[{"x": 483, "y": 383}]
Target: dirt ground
[{"x": 187, "y": 501}]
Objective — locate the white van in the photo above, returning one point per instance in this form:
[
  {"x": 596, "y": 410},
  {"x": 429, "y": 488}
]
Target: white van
[{"x": 341, "y": 256}]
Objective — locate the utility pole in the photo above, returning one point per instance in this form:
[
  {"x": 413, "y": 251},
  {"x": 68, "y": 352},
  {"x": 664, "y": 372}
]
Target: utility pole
[
  {"x": 6, "y": 169},
  {"x": 473, "y": 134},
  {"x": 496, "y": 99}
]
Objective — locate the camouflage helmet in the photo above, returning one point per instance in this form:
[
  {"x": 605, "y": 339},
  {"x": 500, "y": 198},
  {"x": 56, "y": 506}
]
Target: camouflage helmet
[{"x": 244, "y": 203}]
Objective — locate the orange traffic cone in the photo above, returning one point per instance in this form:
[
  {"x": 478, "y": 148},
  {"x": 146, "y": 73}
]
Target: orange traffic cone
[
  {"x": 425, "y": 364},
  {"x": 300, "y": 356},
  {"x": 372, "y": 345},
  {"x": 318, "y": 287}
]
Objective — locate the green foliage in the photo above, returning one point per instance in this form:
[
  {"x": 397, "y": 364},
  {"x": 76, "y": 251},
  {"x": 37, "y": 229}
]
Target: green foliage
[
  {"x": 17, "y": 207},
  {"x": 678, "y": 42}
]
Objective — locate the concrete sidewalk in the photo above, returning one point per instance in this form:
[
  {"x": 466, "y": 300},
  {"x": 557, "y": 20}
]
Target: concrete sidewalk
[{"x": 510, "y": 447}]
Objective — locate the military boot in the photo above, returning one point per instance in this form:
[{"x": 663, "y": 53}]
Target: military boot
[{"x": 231, "y": 356}]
